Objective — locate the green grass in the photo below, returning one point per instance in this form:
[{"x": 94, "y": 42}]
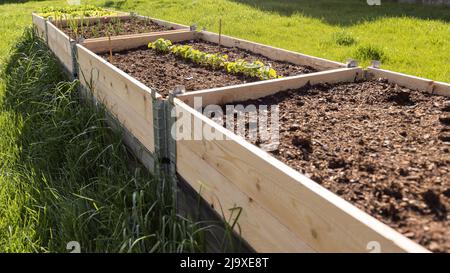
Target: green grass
[{"x": 413, "y": 39}]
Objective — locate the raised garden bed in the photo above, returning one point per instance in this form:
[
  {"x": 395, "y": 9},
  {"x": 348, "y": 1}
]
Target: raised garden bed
[
  {"x": 63, "y": 32},
  {"x": 282, "y": 210},
  {"x": 89, "y": 29},
  {"x": 135, "y": 107},
  {"x": 164, "y": 72},
  {"x": 380, "y": 146},
  {"x": 375, "y": 167}
]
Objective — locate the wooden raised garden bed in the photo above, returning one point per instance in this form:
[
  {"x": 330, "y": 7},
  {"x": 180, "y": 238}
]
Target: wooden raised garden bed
[
  {"x": 130, "y": 100},
  {"x": 319, "y": 130},
  {"x": 61, "y": 35},
  {"x": 336, "y": 182}
]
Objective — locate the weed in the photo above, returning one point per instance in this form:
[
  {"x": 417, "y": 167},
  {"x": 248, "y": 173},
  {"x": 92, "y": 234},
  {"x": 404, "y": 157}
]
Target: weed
[
  {"x": 343, "y": 38},
  {"x": 370, "y": 52}
]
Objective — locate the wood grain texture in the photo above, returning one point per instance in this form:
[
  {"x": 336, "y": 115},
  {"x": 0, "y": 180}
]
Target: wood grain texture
[
  {"x": 274, "y": 53},
  {"x": 59, "y": 44},
  {"x": 261, "y": 89},
  {"x": 256, "y": 225},
  {"x": 411, "y": 82},
  {"x": 124, "y": 42},
  {"x": 127, "y": 99},
  {"x": 319, "y": 218},
  {"x": 39, "y": 25}
]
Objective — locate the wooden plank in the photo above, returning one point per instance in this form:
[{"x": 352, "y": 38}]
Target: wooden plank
[
  {"x": 119, "y": 43},
  {"x": 321, "y": 219},
  {"x": 126, "y": 98},
  {"x": 39, "y": 24},
  {"x": 256, "y": 225},
  {"x": 272, "y": 52},
  {"x": 164, "y": 22},
  {"x": 260, "y": 89},
  {"x": 134, "y": 145},
  {"x": 411, "y": 82},
  {"x": 59, "y": 43}
]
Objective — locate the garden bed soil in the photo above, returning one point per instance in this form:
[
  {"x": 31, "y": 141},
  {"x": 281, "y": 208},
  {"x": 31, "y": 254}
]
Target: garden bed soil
[
  {"x": 164, "y": 72},
  {"x": 382, "y": 147},
  {"x": 124, "y": 27}
]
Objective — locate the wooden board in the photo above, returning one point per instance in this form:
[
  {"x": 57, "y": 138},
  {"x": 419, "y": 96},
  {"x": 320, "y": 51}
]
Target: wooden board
[
  {"x": 272, "y": 52},
  {"x": 59, "y": 43},
  {"x": 236, "y": 172},
  {"x": 411, "y": 82},
  {"x": 39, "y": 24},
  {"x": 256, "y": 225},
  {"x": 128, "y": 100},
  {"x": 133, "y": 144},
  {"x": 260, "y": 89},
  {"x": 124, "y": 42},
  {"x": 165, "y": 23}
]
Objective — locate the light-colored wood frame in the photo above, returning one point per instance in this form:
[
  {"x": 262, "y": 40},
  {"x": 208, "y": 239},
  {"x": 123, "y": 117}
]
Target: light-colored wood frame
[
  {"x": 411, "y": 82},
  {"x": 229, "y": 171},
  {"x": 101, "y": 45},
  {"x": 128, "y": 100},
  {"x": 40, "y": 25},
  {"x": 241, "y": 92},
  {"x": 124, "y": 42},
  {"x": 60, "y": 44},
  {"x": 281, "y": 210},
  {"x": 271, "y": 52}
]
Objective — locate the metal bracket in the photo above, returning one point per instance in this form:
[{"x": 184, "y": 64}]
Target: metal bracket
[
  {"x": 171, "y": 144},
  {"x": 351, "y": 63},
  {"x": 46, "y": 29},
  {"x": 193, "y": 27},
  {"x": 376, "y": 64},
  {"x": 179, "y": 89},
  {"x": 74, "y": 52}
]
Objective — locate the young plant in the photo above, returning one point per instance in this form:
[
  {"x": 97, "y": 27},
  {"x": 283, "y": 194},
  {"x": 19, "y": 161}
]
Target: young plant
[
  {"x": 252, "y": 69},
  {"x": 161, "y": 45}
]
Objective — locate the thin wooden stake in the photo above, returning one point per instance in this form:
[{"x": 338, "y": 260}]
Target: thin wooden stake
[
  {"x": 220, "y": 32},
  {"x": 110, "y": 48}
]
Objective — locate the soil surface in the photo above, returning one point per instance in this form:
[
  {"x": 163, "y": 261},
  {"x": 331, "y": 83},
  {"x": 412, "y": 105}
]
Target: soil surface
[
  {"x": 382, "y": 147},
  {"x": 165, "y": 71},
  {"x": 115, "y": 27}
]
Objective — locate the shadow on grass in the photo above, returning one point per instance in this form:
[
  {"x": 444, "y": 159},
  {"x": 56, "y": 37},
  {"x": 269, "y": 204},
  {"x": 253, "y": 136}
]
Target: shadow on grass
[
  {"x": 349, "y": 12},
  {"x": 18, "y": 1}
]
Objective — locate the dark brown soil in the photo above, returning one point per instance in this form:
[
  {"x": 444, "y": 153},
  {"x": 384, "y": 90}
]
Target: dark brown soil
[
  {"x": 384, "y": 148},
  {"x": 165, "y": 71},
  {"x": 115, "y": 27}
]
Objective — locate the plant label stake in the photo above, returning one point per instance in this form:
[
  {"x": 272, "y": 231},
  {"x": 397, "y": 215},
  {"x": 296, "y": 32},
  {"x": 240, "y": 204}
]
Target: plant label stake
[
  {"x": 376, "y": 64},
  {"x": 110, "y": 48},
  {"x": 220, "y": 32},
  {"x": 351, "y": 63}
]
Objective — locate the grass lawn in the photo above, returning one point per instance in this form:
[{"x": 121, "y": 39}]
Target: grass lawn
[
  {"x": 409, "y": 38},
  {"x": 64, "y": 176}
]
